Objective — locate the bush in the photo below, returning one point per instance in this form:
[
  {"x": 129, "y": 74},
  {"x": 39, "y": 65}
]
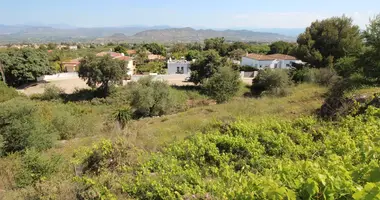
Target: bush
[
  {"x": 273, "y": 82},
  {"x": 51, "y": 92},
  {"x": 247, "y": 68},
  {"x": 325, "y": 76},
  {"x": 223, "y": 85},
  {"x": 7, "y": 93},
  {"x": 154, "y": 98},
  {"x": 22, "y": 127},
  {"x": 35, "y": 168},
  {"x": 123, "y": 116}
]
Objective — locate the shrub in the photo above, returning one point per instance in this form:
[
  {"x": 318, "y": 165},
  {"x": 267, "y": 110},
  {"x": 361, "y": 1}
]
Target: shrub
[
  {"x": 223, "y": 85},
  {"x": 326, "y": 76},
  {"x": 22, "y": 127},
  {"x": 123, "y": 116},
  {"x": 51, "y": 92},
  {"x": 247, "y": 68},
  {"x": 34, "y": 168},
  {"x": 7, "y": 93},
  {"x": 273, "y": 82},
  {"x": 154, "y": 98}
]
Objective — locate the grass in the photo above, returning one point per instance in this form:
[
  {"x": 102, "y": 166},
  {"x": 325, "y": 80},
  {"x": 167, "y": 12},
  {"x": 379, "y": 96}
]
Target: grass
[{"x": 152, "y": 134}]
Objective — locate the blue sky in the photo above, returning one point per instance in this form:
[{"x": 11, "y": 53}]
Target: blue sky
[{"x": 194, "y": 13}]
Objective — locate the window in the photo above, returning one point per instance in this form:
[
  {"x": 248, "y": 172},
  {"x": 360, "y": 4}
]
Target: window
[{"x": 178, "y": 70}]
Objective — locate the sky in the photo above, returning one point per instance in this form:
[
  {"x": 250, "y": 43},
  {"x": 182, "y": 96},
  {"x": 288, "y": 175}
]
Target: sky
[{"x": 180, "y": 13}]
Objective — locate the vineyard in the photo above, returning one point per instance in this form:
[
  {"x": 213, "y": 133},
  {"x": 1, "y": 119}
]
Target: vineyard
[{"x": 302, "y": 159}]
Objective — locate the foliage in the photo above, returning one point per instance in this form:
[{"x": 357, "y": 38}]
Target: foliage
[
  {"x": 24, "y": 65},
  {"x": 237, "y": 54},
  {"x": 347, "y": 66},
  {"x": 217, "y": 44},
  {"x": 121, "y": 49},
  {"x": 258, "y": 48},
  {"x": 35, "y": 168},
  {"x": 152, "y": 67},
  {"x": 51, "y": 92},
  {"x": 272, "y": 81},
  {"x": 22, "y": 127},
  {"x": 141, "y": 56},
  {"x": 123, "y": 116},
  {"x": 193, "y": 55},
  {"x": 304, "y": 159},
  {"x": 371, "y": 58},
  {"x": 7, "y": 93},
  {"x": 205, "y": 66},
  {"x": 223, "y": 85},
  {"x": 153, "y": 98},
  {"x": 326, "y": 41},
  {"x": 101, "y": 70},
  {"x": 155, "y": 48},
  {"x": 281, "y": 47},
  {"x": 325, "y": 76}
]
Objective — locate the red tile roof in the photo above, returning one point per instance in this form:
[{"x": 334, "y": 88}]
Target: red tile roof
[
  {"x": 282, "y": 57},
  {"x": 131, "y": 52},
  {"x": 125, "y": 58},
  {"x": 112, "y": 54},
  {"x": 258, "y": 56}
]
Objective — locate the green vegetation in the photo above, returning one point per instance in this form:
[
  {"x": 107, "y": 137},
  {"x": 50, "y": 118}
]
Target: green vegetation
[
  {"x": 310, "y": 132},
  {"x": 24, "y": 66},
  {"x": 102, "y": 70},
  {"x": 223, "y": 85},
  {"x": 272, "y": 82}
]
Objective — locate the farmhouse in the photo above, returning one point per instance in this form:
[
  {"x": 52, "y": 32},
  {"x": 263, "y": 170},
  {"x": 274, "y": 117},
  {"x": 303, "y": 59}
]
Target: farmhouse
[
  {"x": 273, "y": 61},
  {"x": 178, "y": 66},
  {"x": 72, "y": 65}
]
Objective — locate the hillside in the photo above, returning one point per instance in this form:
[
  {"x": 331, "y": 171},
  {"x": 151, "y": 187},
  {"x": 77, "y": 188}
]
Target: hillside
[
  {"x": 43, "y": 34},
  {"x": 194, "y": 35}
]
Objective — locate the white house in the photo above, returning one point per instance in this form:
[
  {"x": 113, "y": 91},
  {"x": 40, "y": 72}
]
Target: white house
[
  {"x": 74, "y": 47},
  {"x": 273, "y": 61},
  {"x": 178, "y": 66}
]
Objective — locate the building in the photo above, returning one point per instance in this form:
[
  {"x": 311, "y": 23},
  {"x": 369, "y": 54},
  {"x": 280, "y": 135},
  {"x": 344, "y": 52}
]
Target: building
[
  {"x": 72, "y": 65},
  {"x": 131, "y": 52},
  {"x": 75, "y": 47},
  {"x": 178, "y": 66},
  {"x": 130, "y": 64},
  {"x": 154, "y": 57},
  {"x": 273, "y": 61}
]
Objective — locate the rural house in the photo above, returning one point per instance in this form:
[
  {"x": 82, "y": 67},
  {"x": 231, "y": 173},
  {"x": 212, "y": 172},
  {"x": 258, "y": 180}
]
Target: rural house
[
  {"x": 178, "y": 66},
  {"x": 273, "y": 61},
  {"x": 72, "y": 65}
]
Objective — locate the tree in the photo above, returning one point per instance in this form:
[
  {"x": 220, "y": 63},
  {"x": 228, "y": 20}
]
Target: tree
[
  {"x": 120, "y": 49},
  {"x": 238, "y": 45},
  {"x": 206, "y": 66},
  {"x": 59, "y": 57},
  {"x": 237, "y": 54},
  {"x": 193, "y": 55},
  {"x": 371, "y": 57},
  {"x": 141, "y": 56},
  {"x": 258, "y": 48},
  {"x": 223, "y": 85},
  {"x": 281, "y": 47},
  {"x": 194, "y": 46},
  {"x": 22, "y": 66},
  {"x": 178, "y": 48},
  {"x": 217, "y": 44},
  {"x": 101, "y": 70},
  {"x": 272, "y": 81},
  {"x": 326, "y": 41},
  {"x": 51, "y": 46},
  {"x": 155, "y": 48}
]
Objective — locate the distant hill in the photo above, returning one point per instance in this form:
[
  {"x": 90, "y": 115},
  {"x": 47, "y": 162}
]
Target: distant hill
[
  {"x": 193, "y": 35},
  {"x": 164, "y": 34}
]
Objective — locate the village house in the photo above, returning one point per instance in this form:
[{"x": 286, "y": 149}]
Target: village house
[
  {"x": 273, "y": 61},
  {"x": 178, "y": 66},
  {"x": 72, "y": 65},
  {"x": 130, "y": 64},
  {"x": 154, "y": 57}
]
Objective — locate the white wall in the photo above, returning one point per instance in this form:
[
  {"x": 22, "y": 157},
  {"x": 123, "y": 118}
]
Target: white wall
[
  {"x": 131, "y": 67},
  {"x": 173, "y": 66},
  {"x": 59, "y": 76},
  {"x": 259, "y": 64}
]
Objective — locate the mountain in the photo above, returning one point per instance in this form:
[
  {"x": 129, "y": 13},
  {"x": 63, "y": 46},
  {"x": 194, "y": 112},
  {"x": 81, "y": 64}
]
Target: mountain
[
  {"x": 165, "y": 34},
  {"x": 193, "y": 35}
]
